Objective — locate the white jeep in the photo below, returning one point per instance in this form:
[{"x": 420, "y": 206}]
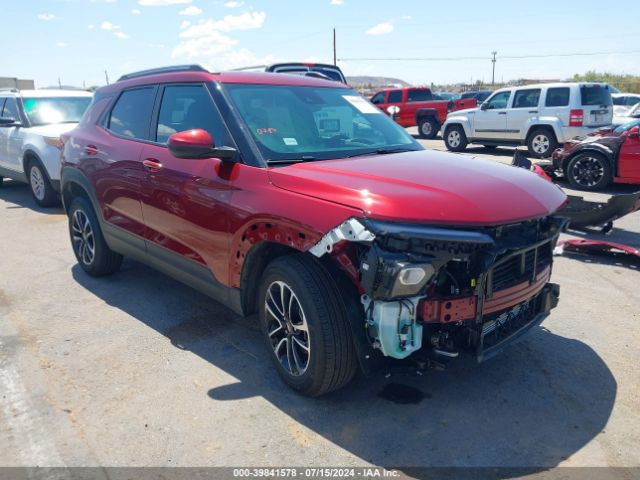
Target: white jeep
[
  {"x": 31, "y": 122},
  {"x": 540, "y": 116}
]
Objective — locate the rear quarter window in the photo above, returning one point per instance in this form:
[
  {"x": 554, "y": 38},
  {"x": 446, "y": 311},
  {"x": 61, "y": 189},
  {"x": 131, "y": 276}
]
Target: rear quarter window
[
  {"x": 595, "y": 95},
  {"x": 557, "y": 97}
]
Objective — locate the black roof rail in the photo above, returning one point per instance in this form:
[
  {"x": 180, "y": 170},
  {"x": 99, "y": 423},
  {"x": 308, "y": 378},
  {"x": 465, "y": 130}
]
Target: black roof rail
[{"x": 154, "y": 71}]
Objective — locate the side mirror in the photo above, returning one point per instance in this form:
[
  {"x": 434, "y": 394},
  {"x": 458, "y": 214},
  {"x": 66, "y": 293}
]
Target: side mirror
[
  {"x": 9, "y": 122},
  {"x": 197, "y": 144},
  {"x": 634, "y": 132},
  {"x": 484, "y": 106}
]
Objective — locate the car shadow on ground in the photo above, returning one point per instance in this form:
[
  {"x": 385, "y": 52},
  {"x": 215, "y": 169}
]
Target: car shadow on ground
[
  {"x": 535, "y": 405},
  {"x": 19, "y": 195}
]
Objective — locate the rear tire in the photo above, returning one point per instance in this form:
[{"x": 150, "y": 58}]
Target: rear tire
[
  {"x": 305, "y": 326},
  {"x": 455, "y": 139},
  {"x": 589, "y": 171},
  {"x": 39, "y": 184},
  {"x": 428, "y": 128},
  {"x": 541, "y": 143},
  {"x": 92, "y": 252}
]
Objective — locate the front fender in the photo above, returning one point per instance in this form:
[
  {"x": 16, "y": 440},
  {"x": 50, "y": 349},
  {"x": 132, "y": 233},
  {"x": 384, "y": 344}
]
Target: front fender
[
  {"x": 464, "y": 121},
  {"x": 604, "y": 150}
]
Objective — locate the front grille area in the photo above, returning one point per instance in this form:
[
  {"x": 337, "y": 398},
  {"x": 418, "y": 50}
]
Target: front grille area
[{"x": 520, "y": 267}]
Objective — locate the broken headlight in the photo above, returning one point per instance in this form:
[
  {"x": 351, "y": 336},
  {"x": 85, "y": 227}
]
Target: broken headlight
[{"x": 388, "y": 275}]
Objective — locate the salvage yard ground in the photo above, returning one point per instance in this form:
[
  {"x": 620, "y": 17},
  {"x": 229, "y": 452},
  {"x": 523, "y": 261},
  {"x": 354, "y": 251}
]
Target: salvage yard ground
[{"x": 137, "y": 369}]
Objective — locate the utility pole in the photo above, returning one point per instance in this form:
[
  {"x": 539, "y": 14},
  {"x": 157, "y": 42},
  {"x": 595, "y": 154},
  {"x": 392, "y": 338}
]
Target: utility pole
[
  {"x": 334, "y": 47},
  {"x": 59, "y": 83},
  {"x": 493, "y": 73},
  {"x": 106, "y": 77}
]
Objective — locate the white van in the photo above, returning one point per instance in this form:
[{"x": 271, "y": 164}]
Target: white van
[{"x": 540, "y": 116}]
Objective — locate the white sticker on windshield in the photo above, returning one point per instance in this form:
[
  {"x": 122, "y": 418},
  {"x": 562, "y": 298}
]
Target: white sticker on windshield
[
  {"x": 290, "y": 141},
  {"x": 361, "y": 104}
]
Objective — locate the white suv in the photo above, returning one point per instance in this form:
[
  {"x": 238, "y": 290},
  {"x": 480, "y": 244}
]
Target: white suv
[
  {"x": 540, "y": 116},
  {"x": 31, "y": 122}
]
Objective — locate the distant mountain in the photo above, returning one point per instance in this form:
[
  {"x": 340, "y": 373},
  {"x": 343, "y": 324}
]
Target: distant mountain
[{"x": 366, "y": 81}]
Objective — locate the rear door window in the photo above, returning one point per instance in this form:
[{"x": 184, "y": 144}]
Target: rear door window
[
  {"x": 595, "y": 95},
  {"x": 395, "y": 96},
  {"x": 419, "y": 95},
  {"x": 131, "y": 115},
  {"x": 557, "y": 97},
  {"x": 526, "y": 98}
]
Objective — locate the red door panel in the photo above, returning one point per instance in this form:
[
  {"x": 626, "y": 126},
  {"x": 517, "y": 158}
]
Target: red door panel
[{"x": 629, "y": 158}]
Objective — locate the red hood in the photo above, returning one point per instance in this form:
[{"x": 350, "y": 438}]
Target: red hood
[{"x": 425, "y": 187}]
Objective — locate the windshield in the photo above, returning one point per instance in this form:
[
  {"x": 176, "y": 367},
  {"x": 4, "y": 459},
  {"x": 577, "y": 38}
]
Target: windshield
[
  {"x": 312, "y": 123},
  {"x": 623, "y": 128},
  {"x": 48, "y": 110},
  {"x": 634, "y": 111}
]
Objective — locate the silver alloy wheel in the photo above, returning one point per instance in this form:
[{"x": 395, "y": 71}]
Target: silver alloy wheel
[
  {"x": 587, "y": 171},
  {"x": 36, "y": 179},
  {"x": 287, "y": 328},
  {"x": 540, "y": 143},
  {"x": 82, "y": 236},
  {"x": 426, "y": 128},
  {"x": 453, "y": 139}
]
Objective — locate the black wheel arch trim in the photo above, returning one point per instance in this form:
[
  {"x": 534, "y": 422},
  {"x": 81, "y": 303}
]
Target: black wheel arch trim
[
  {"x": 596, "y": 148},
  {"x": 426, "y": 112}
]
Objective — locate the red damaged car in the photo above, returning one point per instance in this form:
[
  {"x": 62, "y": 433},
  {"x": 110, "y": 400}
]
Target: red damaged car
[
  {"x": 608, "y": 155},
  {"x": 297, "y": 199}
]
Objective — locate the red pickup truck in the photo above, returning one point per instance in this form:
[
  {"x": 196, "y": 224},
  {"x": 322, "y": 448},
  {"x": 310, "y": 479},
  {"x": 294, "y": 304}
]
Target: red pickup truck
[{"x": 419, "y": 106}]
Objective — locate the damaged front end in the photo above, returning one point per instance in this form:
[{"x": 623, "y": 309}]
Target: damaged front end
[{"x": 433, "y": 293}]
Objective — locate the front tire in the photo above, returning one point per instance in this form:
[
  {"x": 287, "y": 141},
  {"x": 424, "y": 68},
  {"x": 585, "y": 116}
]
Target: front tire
[
  {"x": 428, "y": 128},
  {"x": 589, "y": 171},
  {"x": 39, "y": 184},
  {"x": 455, "y": 139},
  {"x": 541, "y": 143},
  {"x": 305, "y": 326},
  {"x": 92, "y": 252}
]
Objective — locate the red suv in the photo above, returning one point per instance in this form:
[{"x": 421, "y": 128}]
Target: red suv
[{"x": 296, "y": 198}]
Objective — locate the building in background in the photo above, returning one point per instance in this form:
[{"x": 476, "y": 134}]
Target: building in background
[{"x": 19, "y": 83}]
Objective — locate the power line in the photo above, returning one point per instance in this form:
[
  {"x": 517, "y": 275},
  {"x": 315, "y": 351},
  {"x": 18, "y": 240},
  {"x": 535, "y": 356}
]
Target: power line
[{"x": 504, "y": 57}]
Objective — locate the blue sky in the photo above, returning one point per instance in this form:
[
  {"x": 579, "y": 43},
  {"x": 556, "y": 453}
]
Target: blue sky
[{"x": 77, "y": 40}]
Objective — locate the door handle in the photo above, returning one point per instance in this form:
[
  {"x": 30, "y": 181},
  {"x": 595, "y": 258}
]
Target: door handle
[
  {"x": 502, "y": 113},
  {"x": 91, "y": 150},
  {"x": 151, "y": 164},
  {"x": 533, "y": 111}
]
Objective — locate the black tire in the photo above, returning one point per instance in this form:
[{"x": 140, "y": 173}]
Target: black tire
[
  {"x": 428, "y": 128},
  {"x": 589, "y": 171},
  {"x": 541, "y": 143},
  {"x": 331, "y": 360},
  {"x": 1, "y": 181},
  {"x": 39, "y": 184},
  {"x": 104, "y": 261},
  {"x": 455, "y": 139}
]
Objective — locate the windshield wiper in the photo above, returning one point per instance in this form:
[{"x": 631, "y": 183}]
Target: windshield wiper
[
  {"x": 382, "y": 151},
  {"x": 304, "y": 158}
]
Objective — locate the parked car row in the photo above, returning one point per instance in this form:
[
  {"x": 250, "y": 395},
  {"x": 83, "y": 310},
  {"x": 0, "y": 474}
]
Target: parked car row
[{"x": 295, "y": 198}]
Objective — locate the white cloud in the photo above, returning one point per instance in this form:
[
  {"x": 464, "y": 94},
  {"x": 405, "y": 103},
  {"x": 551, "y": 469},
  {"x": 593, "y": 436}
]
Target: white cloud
[
  {"x": 109, "y": 26},
  {"x": 46, "y": 16},
  {"x": 336, "y": 2},
  {"x": 121, "y": 35},
  {"x": 62, "y": 44},
  {"x": 161, "y": 3},
  {"x": 91, "y": 27},
  {"x": 380, "y": 29},
  {"x": 191, "y": 11},
  {"x": 208, "y": 43},
  {"x": 246, "y": 21},
  {"x": 135, "y": 11},
  {"x": 233, "y": 4}
]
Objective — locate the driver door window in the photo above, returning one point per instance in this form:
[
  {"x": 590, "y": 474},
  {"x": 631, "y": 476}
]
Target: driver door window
[{"x": 499, "y": 101}]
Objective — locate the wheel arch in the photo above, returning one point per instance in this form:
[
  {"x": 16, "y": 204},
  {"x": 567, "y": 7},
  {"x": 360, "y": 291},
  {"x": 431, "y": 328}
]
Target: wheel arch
[
  {"x": 427, "y": 113},
  {"x": 75, "y": 183},
  {"x": 547, "y": 125},
  {"x": 458, "y": 121},
  {"x": 592, "y": 148},
  {"x": 31, "y": 154}
]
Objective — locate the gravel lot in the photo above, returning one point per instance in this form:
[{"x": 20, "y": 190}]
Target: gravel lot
[{"x": 136, "y": 369}]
